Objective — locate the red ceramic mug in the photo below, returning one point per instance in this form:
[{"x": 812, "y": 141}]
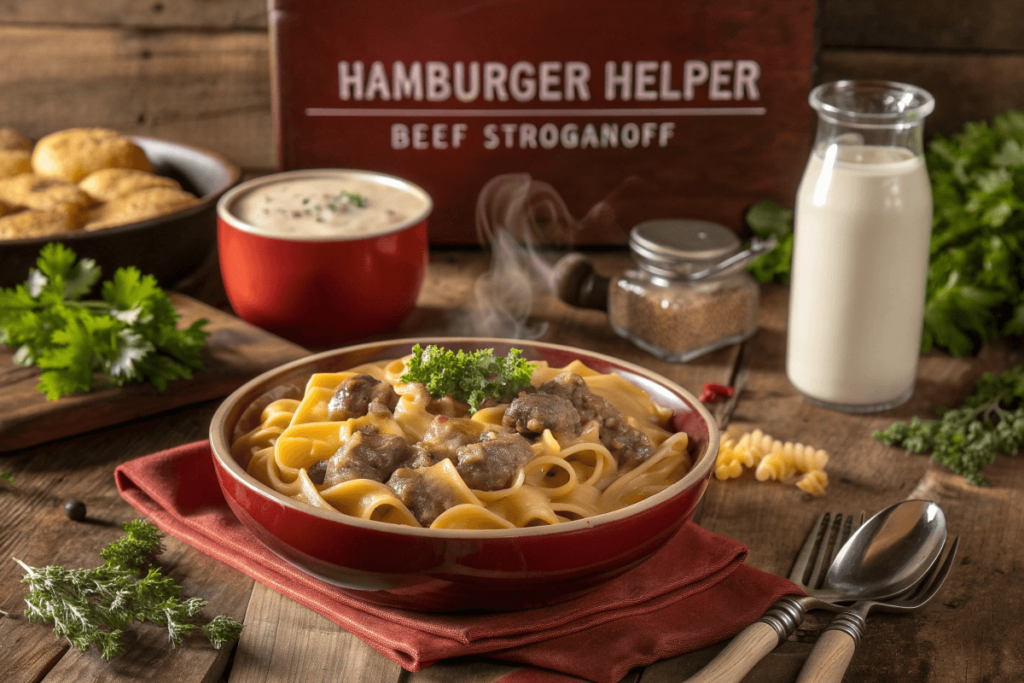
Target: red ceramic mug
[{"x": 316, "y": 286}]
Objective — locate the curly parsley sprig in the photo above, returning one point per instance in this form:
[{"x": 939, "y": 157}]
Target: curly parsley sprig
[
  {"x": 967, "y": 439},
  {"x": 96, "y": 606},
  {"x": 469, "y": 377},
  {"x": 129, "y": 335}
]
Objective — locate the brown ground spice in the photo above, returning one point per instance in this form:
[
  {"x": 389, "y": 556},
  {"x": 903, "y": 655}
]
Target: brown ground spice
[{"x": 683, "y": 318}]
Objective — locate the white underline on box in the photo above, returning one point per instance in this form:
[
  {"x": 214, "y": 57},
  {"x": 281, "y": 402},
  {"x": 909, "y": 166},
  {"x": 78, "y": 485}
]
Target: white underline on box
[{"x": 706, "y": 111}]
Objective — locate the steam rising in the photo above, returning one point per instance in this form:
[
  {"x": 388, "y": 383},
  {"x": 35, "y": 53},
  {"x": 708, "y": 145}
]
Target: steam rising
[
  {"x": 527, "y": 226},
  {"x": 513, "y": 213}
]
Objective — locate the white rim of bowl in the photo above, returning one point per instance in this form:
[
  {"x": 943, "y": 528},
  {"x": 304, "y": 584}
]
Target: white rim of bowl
[
  {"x": 234, "y": 221},
  {"x": 222, "y": 452}
]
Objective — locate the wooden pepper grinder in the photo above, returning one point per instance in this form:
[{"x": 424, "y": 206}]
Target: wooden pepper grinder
[{"x": 578, "y": 284}]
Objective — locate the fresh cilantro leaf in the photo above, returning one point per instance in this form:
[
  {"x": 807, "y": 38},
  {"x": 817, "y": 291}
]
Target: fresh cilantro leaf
[
  {"x": 130, "y": 335},
  {"x": 769, "y": 219},
  {"x": 469, "y": 377},
  {"x": 6, "y": 476},
  {"x": 974, "y": 288}
]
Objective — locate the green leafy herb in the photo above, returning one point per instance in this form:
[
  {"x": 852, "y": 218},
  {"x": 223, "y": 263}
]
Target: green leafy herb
[
  {"x": 130, "y": 335},
  {"x": 96, "y": 606},
  {"x": 6, "y": 476},
  {"x": 352, "y": 198},
  {"x": 469, "y": 377},
  {"x": 977, "y": 246},
  {"x": 769, "y": 219},
  {"x": 966, "y": 439}
]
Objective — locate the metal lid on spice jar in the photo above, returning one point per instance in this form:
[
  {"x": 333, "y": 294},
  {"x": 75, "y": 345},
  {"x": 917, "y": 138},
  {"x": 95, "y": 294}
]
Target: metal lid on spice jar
[{"x": 674, "y": 247}]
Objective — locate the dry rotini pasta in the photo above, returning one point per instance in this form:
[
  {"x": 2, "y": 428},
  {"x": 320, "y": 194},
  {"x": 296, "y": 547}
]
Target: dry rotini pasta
[
  {"x": 814, "y": 482},
  {"x": 774, "y": 460}
]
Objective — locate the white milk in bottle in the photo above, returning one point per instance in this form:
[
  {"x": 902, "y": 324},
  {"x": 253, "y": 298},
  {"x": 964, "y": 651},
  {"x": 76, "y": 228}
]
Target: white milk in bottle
[
  {"x": 860, "y": 260},
  {"x": 860, "y": 250}
]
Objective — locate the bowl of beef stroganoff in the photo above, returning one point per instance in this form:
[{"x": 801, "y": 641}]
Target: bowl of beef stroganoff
[
  {"x": 282, "y": 445},
  {"x": 324, "y": 256}
]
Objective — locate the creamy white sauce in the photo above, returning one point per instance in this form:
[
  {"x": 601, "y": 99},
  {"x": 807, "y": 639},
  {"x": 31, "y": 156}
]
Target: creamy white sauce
[
  {"x": 337, "y": 204},
  {"x": 860, "y": 260}
]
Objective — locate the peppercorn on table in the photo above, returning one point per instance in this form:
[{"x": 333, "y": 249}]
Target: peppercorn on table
[{"x": 968, "y": 633}]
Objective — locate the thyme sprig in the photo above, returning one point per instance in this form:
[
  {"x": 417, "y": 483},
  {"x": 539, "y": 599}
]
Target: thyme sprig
[
  {"x": 967, "y": 439},
  {"x": 96, "y": 606}
]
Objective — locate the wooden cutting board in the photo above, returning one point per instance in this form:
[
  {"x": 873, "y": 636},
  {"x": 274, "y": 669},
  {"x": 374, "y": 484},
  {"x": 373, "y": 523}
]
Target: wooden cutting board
[{"x": 235, "y": 353}]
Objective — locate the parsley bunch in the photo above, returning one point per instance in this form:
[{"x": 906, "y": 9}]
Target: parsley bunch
[
  {"x": 95, "y": 606},
  {"x": 966, "y": 439},
  {"x": 977, "y": 247},
  {"x": 130, "y": 335},
  {"x": 769, "y": 219},
  {"x": 469, "y": 377}
]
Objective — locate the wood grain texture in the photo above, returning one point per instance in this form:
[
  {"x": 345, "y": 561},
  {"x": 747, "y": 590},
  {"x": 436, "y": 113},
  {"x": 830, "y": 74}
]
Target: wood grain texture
[
  {"x": 210, "y": 89},
  {"x": 983, "y": 25},
  {"x": 222, "y": 14},
  {"x": 235, "y": 353},
  {"x": 284, "y": 641},
  {"x": 33, "y": 527},
  {"x": 967, "y": 87}
]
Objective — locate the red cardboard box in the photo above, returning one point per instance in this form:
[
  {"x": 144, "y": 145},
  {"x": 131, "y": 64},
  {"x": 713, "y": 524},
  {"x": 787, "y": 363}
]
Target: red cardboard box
[{"x": 630, "y": 110}]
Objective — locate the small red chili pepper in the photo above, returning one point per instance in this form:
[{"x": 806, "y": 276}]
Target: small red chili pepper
[
  {"x": 708, "y": 396},
  {"x": 719, "y": 389}
]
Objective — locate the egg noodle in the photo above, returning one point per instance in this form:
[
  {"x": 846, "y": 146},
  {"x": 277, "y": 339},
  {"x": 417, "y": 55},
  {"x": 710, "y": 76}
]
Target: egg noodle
[{"x": 564, "y": 480}]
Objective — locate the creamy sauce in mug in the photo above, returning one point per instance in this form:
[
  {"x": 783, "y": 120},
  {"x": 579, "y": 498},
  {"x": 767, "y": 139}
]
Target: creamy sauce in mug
[{"x": 337, "y": 204}]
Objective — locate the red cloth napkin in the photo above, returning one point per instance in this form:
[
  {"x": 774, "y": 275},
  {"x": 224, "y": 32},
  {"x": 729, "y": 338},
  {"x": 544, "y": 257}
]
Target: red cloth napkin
[{"x": 665, "y": 607}]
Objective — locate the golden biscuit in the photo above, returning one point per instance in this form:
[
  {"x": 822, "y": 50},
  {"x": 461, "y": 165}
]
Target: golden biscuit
[
  {"x": 34, "y": 223},
  {"x": 75, "y": 153},
  {"x": 139, "y": 206},
  {"x": 14, "y": 162},
  {"x": 3, "y": 210},
  {"x": 108, "y": 184},
  {"x": 29, "y": 191},
  {"x": 12, "y": 139}
]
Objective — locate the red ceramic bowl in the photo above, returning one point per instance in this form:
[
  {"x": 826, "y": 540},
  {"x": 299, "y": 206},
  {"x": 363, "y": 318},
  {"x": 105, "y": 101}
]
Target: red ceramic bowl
[
  {"x": 322, "y": 291},
  {"x": 442, "y": 569}
]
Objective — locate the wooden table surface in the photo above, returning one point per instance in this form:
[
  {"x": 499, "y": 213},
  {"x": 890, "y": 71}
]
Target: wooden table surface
[{"x": 970, "y": 632}]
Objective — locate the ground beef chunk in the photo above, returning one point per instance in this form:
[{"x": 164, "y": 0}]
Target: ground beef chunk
[
  {"x": 421, "y": 494},
  {"x": 493, "y": 462},
  {"x": 355, "y": 394},
  {"x": 630, "y": 446},
  {"x": 531, "y": 414},
  {"x": 316, "y": 472},
  {"x": 367, "y": 454},
  {"x": 444, "y": 437}
]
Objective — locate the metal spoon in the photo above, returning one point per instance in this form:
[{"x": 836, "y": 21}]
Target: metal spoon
[
  {"x": 832, "y": 653},
  {"x": 887, "y": 555}
]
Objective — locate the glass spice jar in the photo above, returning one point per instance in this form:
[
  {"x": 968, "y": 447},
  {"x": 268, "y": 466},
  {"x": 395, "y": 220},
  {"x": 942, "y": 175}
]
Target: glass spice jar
[{"x": 690, "y": 294}]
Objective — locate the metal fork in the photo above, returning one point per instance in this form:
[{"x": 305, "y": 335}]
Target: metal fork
[
  {"x": 832, "y": 653},
  {"x": 829, "y": 533}
]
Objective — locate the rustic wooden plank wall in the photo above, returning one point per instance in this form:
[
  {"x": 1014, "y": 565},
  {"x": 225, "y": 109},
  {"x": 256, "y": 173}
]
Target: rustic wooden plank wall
[{"x": 196, "y": 71}]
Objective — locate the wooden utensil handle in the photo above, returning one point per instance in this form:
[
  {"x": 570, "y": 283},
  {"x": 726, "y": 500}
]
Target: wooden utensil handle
[
  {"x": 740, "y": 656},
  {"x": 829, "y": 659},
  {"x": 754, "y": 642}
]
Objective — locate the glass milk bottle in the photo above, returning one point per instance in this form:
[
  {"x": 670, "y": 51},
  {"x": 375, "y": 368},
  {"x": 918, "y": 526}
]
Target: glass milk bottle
[{"x": 860, "y": 250}]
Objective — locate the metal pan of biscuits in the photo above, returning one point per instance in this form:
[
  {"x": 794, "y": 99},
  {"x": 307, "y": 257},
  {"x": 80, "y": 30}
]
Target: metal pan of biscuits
[{"x": 120, "y": 200}]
